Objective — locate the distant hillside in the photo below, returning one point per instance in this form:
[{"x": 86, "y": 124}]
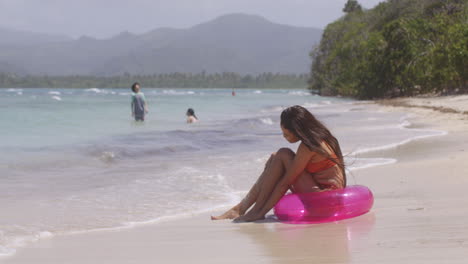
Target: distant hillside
[
  {"x": 244, "y": 44},
  {"x": 398, "y": 48}
]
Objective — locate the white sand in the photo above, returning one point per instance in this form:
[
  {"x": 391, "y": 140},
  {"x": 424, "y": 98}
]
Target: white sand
[
  {"x": 420, "y": 216},
  {"x": 459, "y": 103}
]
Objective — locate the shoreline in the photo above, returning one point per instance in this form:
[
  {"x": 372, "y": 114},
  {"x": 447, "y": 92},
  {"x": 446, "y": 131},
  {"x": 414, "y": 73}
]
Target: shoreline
[
  {"x": 454, "y": 104},
  {"x": 406, "y": 212}
]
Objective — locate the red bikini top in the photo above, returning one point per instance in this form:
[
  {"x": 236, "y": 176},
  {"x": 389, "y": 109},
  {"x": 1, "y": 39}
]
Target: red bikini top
[{"x": 314, "y": 167}]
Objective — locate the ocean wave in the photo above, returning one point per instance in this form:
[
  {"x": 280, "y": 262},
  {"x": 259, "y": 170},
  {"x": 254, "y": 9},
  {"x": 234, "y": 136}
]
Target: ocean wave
[
  {"x": 10, "y": 249},
  {"x": 8, "y": 245},
  {"x": 323, "y": 103},
  {"x": 175, "y": 92},
  {"x": 273, "y": 109},
  {"x": 107, "y": 156},
  {"x": 404, "y": 122},
  {"x": 263, "y": 159},
  {"x": 299, "y": 93},
  {"x": 266, "y": 121},
  {"x": 57, "y": 98},
  {"x": 364, "y": 163},
  {"x": 6, "y": 251},
  {"x": 54, "y": 92},
  {"x": 128, "y": 152},
  {"x": 14, "y": 90},
  {"x": 404, "y": 125},
  {"x": 21, "y": 236},
  {"x": 429, "y": 133},
  {"x": 174, "y": 142},
  {"x": 256, "y": 122},
  {"x": 101, "y": 91},
  {"x": 311, "y": 105},
  {"x": 95, "y": 90}
]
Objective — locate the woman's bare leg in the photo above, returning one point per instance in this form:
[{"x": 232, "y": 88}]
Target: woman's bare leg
[
  {"x": 305, "y": 183},
  {"x": 260, "y": 191},
  {"x": 248, "y": 200},
  {"x": 273, "y": 173}
]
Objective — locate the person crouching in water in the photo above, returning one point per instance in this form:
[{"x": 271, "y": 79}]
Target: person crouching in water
[
  {"x": 191, "y": 117},
  {"x": 317, "y": 165},
  {"x": 138, "y": 105}
]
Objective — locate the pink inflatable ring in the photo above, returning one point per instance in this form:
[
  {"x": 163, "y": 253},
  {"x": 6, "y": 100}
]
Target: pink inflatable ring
[{"x": 327, "y": 206}]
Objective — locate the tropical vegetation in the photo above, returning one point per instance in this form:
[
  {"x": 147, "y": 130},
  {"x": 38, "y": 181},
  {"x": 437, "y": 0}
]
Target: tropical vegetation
[
  {"x": 398, "y": 48},
  {"x": 173, "y": 80}
]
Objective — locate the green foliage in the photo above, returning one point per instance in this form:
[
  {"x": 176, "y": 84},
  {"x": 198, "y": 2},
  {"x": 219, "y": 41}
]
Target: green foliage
[
  {"x": 398, "y": 48},
  {"x": 352, "y": 6},
  {"x": 173, "y": 80}
]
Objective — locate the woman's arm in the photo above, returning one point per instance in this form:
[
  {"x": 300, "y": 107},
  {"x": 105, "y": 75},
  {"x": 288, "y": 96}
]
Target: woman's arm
[{"x": 298, "y": 165}]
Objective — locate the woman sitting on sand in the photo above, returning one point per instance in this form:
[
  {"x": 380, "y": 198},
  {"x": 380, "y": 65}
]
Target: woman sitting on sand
[{"x": 316, "y": 166}]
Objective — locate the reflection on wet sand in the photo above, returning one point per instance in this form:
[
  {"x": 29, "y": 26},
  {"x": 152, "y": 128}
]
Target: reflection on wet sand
[{"x": 323, "y": 243}]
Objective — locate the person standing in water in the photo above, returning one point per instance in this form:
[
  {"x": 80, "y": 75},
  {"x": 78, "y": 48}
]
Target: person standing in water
[
  {"x": 191, "y": 117},
  {"x": 138, "y": 105},
  {"x": 316, "y": 166}
]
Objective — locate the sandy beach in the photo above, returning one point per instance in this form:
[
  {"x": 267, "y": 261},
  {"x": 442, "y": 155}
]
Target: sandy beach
[{"x": 420, "y": 214}]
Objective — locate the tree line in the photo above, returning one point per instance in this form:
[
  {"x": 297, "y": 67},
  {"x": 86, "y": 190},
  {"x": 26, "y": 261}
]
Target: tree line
[
  {"x": 398, "y": 48},
  {"x": 172, "y": 80}
]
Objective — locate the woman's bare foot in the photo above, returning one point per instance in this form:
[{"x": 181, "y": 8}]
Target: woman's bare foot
[
  {"x": 230, "y": 214},
  {"x": 249, "y": 218}
]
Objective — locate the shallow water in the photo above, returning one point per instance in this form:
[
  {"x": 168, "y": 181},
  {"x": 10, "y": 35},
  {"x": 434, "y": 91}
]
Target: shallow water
[{"x": 72, "y": 160}]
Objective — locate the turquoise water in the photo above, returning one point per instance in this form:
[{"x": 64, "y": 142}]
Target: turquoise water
[
  {"x": 73, "y": 160},
  {"x": 45, "y": 117}
]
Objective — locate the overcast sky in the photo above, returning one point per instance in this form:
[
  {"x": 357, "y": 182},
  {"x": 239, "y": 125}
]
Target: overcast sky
[{"x": 104, "y": 18}]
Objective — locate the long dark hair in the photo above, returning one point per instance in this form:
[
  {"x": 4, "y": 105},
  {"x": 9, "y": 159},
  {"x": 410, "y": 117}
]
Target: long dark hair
[
  {"x": 191, "y": 112},
  {"x": 312, "y": 133}
]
